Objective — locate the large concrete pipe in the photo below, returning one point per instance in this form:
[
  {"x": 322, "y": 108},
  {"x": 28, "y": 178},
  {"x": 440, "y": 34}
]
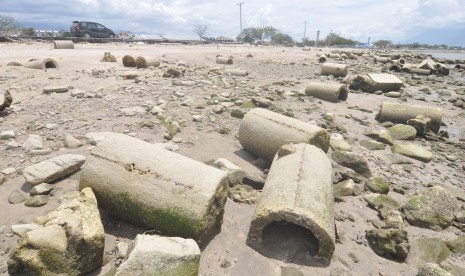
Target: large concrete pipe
[
  {"x": 156, "y": 188},
  {"x": 129, "y": 61},
  {"x": 419, "y": 71},
  {"x": 322, "y": 58},
  {"x": 337, "y": 70},
  {"x": 382, "y": 59},
  {"x": 142, "y": 62},
  {"x": 224, "y": 60},
  {"x": 43, "y": 64},
  {"x": 63, "y": 44},
  {"x": 298, "y": 190},
  {"x": 263, "y": 133},
  {"x": 328, "y": 92},
  {"x": 401, "y": 113}
]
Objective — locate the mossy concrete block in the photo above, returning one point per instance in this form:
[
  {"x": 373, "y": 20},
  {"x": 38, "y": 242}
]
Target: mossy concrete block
[
  {"x": 391, "y": 243},
  {"x": 372, "y": 145},
  {"x": 263, "y": 133},
  {"x": 36, "y": 201},
  {"x": 156, "y": 188},
  {"x": 382, "y": 136},
  {"x": 344, "y": 188},
  {"x": 337, "y": 142},
  {"x": 432, "y": 208},
  {"x": 379, "y": 201},
  {"x": 413, "y": 151},
  {"x": 352, "y": 161},
  {"x": 160, "y": 256},
  {"x": 396, "y": 158},
  {"x": 298, "y": 190},
  {"x": 427, "y": 250},
  {"x": 377, "y": 184},
  {"x": 457, "y": 245},
  {"x": 235, "y": 173},
  {"x": 53, "y": 169},
  {"x": 432, "y": 269},
  {"x": 402, "y": 132}
]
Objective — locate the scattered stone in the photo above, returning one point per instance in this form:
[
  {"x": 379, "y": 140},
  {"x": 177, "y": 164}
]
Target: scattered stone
[
  {"x": 432, "y": 208},
  {"x": 420, "y": 123},
  {"x": 379, "y": 201},
  {"x": 36, "y": 201},
  {"x": 197, "y": 118},
  {"x": 432, "y": 269},
  {"x": 393, "y": 94},
  {"x": 157, "y": 110},
  {"x": 396, "y": 158},
  {"x": 78, "y": 93},
  {"x": 413, "y": 151},
  {"x": 6, "y": 100},
  {"x": 21, "y": 229},
  {"x": 237, "y": 113},
  {"x": 372, "y": 145},
  {"x": 122, "y": 250},
  {"x": 55, "y": 89},
  {"x": 95, "y": 137},
  {"x": 389, "y": 242},
  {"x": 33, "y": 142},
  {"x": 457, "y": 192},
  {"x": 244, "y": 194},
  {"x": 52, "y": 169},
  {"x": 16, "y": 197},
  {"x": 71, "y": 142},
  {"x": 8, "y": 134},
  {"x": 263, "y": 102},
  {"x": 337, "y": 142},
  {"x": 218, "y": 108},
  {"x": 132, "y": 111},
  {"x": 9, "y": 171},
  {"x": 157, "y": 255},
  {"x": 344, "y": 188},
  {"x": 42, "y": 189},
  {"x": 377, "y": 184},
  {"x": 393, "y": 219},
  {"x": 402, "y": 132},
  {"x": 352, "y": 161},
  {"x": 382, "y": 136},
  {"x": 427, "y": 250},
  {"x": 235, "y": 173}
]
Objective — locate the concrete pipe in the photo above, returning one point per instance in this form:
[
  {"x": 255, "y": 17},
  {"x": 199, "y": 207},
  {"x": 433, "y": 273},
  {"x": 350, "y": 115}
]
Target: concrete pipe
[
  {"x": 419, "y": 71},
  {"x": 129, "y": 61},
  {"x": 236, "y": 72},
  {"x": 63, "y": 44},
  {"x": 328, "y": 92},
  {"x": 298, "y": 190},
  {"x": 337, "y": 70},
  {"x": 142, "y": 62},
  {"x": 263, "y": 133},
  {"x": 322, "y": 58},
  {"x": 401, "y": 113},
  {"x": 459, "y": 66},
  {"x": 382, "y": 59},
  {"x": 335, "y": 56},
  {"x": 352, "y": 56},
  {"x": 43, "y": 64},
  {"x": 155, "y": 188},
  {"x": 224, "y": 60}
]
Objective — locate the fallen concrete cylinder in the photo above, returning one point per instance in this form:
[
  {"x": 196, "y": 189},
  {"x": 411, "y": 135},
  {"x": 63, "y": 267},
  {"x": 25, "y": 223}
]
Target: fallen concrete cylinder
[
  {"x": 142, "y": 62},
  {"x": 43, "y": 64},
  {"x": 63, "y": 44},
  {"x": 419, "y": 71},
  {"x": 328, "y": 92},
  {"x": 263, "y": 133},
  {"x": 156, "y": 188},
  {"x": 5, "y": 99},
  {"x": 337, "y": 70},
  {"x": 224, "y": 60},
  {"x": 460, "y": 66},
  {"x": 322, "y": 58},
  {"x": 236, "y": 72},
  {"x": 298, "y": 190},
  {"x": 401, "y": 113},
  {"x": 334, "y": 55},
  {"x": 382, "y": 59},
  {"x": 129, "y": 61}
]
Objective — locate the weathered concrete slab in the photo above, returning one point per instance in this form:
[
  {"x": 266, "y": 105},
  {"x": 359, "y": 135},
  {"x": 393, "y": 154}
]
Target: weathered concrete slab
[
  {"x": 155, "y": 188},
  {"x": 299, "y": 190},
  {"x": 385, "y": 82}
]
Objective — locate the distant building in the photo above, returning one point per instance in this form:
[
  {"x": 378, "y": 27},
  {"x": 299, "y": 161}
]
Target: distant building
[
  {"x": 47, "y": 33},
  {"x": 222, "y": 39}
]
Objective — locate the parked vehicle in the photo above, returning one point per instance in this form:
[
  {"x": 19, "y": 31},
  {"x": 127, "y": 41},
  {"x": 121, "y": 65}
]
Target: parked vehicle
[{"x": 90, "y": 29}]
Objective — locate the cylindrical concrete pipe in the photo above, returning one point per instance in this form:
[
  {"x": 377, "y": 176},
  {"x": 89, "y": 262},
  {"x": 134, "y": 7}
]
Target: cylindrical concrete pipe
[
  {"x": 142, "y": 62},
  {"x": 382, "y": 59},
  {"x": 328, "y": 92},
  {"x": 335, "y": 69},
  {"x": 224, "y": 60},
  {"x": 236, "y": 72},
  {"x": 156, "y": 188},
  {"x": 419, "y": 71},
  {"x": 129, "y": 61},
  {"x": 334, "y": 55},
  {"x": 298, "y": 190},
  {"x": 263, "y": 133},
  {"x": 401, "y": 113},
  {"x": 322, "y": 58},
  {"x": 63, "y": 44},
  {"x": 43, "y": 64},
  {"x": 460, "y": 66}
]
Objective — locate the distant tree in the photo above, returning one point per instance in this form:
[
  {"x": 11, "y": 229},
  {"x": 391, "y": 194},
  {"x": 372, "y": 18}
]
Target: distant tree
[
  {"x": 63, "y": 33},
  {"x": 28, "y": 32},
  {"x": 281, "y": 38},
  {"x": 382, "y": 43},
  {"x": 201, "y": 30},
  {"x": 8, "y": 23},
  {"x": 335, "y": 39},
  {"x": 259, "y": 33}
]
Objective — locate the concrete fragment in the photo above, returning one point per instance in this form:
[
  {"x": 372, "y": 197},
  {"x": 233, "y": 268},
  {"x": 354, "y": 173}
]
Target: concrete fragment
[
  {"x": 374, "y": 82},
  {"x": 432, "y": 269},
  {"x": 298, "y": 190},
  {"x": 420, "y": 123},
  {"x": 21, "y": 229},
  {"x": 413, "y": 151},
  {"x": 53, "y": 169},
  {"x": 122, "y": 250},
  {"x": 337, "y": 142},
  {"x": 352, "y": 161},
  {"x": 36, "y": 201},
  {"x": 377, "y": 184},
  {"x": 328, "y": 92},
  {"x": 389, "y": 242},
  {"x": 402, "y": 132},
  {"x": 5, "y": 99},
  {"x": 153, "y": 187},
  {"x": 43, "y": 64},
  {"x": 157, "y": 255},
  {"x": 235, "y": 173},
  {"x": 264, "y": 132},
  {"x": 33, "y": 142},
  {"x": 42, "y": 189},
  {"x": 55, "y": 89},
  {"x": 7, "y": 134},
  {"x": 71, "y": 142},
  {"x": 401, "y": 113},
  {"x": 335, "y": 69}
]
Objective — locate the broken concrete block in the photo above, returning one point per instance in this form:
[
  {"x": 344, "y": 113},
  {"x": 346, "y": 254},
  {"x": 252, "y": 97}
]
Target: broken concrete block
[
  {"x": 413, "y": 151},
  {"x": 156, "y": 188},
  {"x": 401, "y": 113},
  {"x": 157, "y": 255},
  {"x": 263, "y": 133},
  {"x": 299, "y": 191},
  {"x": 420, "y": 123},
  {"x": 5, "y": 99},
  {"x": 335, "y": 69},
  {"x": 55, "y": 89},
  {"x": 375, "y": 82},
  {"x": 235, "y": 173},
  {"x": 328, "y": 92},
  {"x": 53, "y": 169}
]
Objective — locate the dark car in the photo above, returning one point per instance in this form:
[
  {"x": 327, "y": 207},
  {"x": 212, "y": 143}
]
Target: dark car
[{"x": 90, "y": 29}]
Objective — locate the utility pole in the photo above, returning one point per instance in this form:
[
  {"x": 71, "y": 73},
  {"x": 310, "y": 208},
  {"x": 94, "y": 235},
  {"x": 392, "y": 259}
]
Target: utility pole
[
  {"x": 240, "y": 17},
  {"x": 305, "y": 30}
]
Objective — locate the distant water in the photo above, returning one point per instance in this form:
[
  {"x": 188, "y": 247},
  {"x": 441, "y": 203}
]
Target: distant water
[{"x": 447, "y": 55}]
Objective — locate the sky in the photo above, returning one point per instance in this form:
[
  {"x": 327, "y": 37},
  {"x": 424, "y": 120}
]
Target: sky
[{"x": 397, "y": 20}]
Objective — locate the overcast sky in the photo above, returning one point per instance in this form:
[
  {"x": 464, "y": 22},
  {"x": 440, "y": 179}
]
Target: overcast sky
[{"x": 396, "y": 20}]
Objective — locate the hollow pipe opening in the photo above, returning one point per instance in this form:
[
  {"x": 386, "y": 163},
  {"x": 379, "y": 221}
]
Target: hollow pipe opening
[
  {"x": 50, "y": 64},
  {"x": 343, "y": 93}
]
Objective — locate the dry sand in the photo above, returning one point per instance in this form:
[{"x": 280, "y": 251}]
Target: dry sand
[{"x": 228, "y": 253}]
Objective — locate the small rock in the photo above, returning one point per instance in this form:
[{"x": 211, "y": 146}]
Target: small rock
[
  {"x": 16, "y": 197},
  {"x": 372, "y": 145},
  {"x": 377, "y": 185},
  {"x": 402, "y": 132},
  {"x": 262, "y": 102},
  {"x": 382, "y": 136},
  {"x": 393, "y": 219},
  {"x": 55, "y": 89},
  {"x": 352, "y": 161},
  {"x": 244, "y": 194},
  {"x": 33, "y": 142},
  {"x": 393, "y": 94},
  {"x": 337, "y": 142},
  {"x": 389, "y": 242},
  {"x": 95, "y": 137},
  {"x": 41, "y": 189},
  {"x": 9, "y": 171},
  {"x": 218, "y": 109},
  {"x": 156, "y": 110},
  {"x": 427, "y": 250},
  {"x": 21, "y": 229},
  {"x": 6, "y": 135},
  {"x": 122, "y": 249},
  {"x": 36, "y": 201},
  {"x": 237, "y": 113},
  {"x": 344, "y": 188},
  {"x": 71, "y": 142},
  {"x": 413, "y": 151},
  {"x": 132, "y": 111},
  {"x": 197, "y": 118}
]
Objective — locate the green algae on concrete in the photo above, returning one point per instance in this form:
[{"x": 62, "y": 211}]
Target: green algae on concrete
[
  {"x": 377, "y": 184},
  {"x": 389, "y": 242}
]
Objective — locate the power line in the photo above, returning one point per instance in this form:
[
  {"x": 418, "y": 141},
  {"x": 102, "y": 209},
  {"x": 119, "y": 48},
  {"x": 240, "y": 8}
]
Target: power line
[{"x": 240, "y": 17}]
